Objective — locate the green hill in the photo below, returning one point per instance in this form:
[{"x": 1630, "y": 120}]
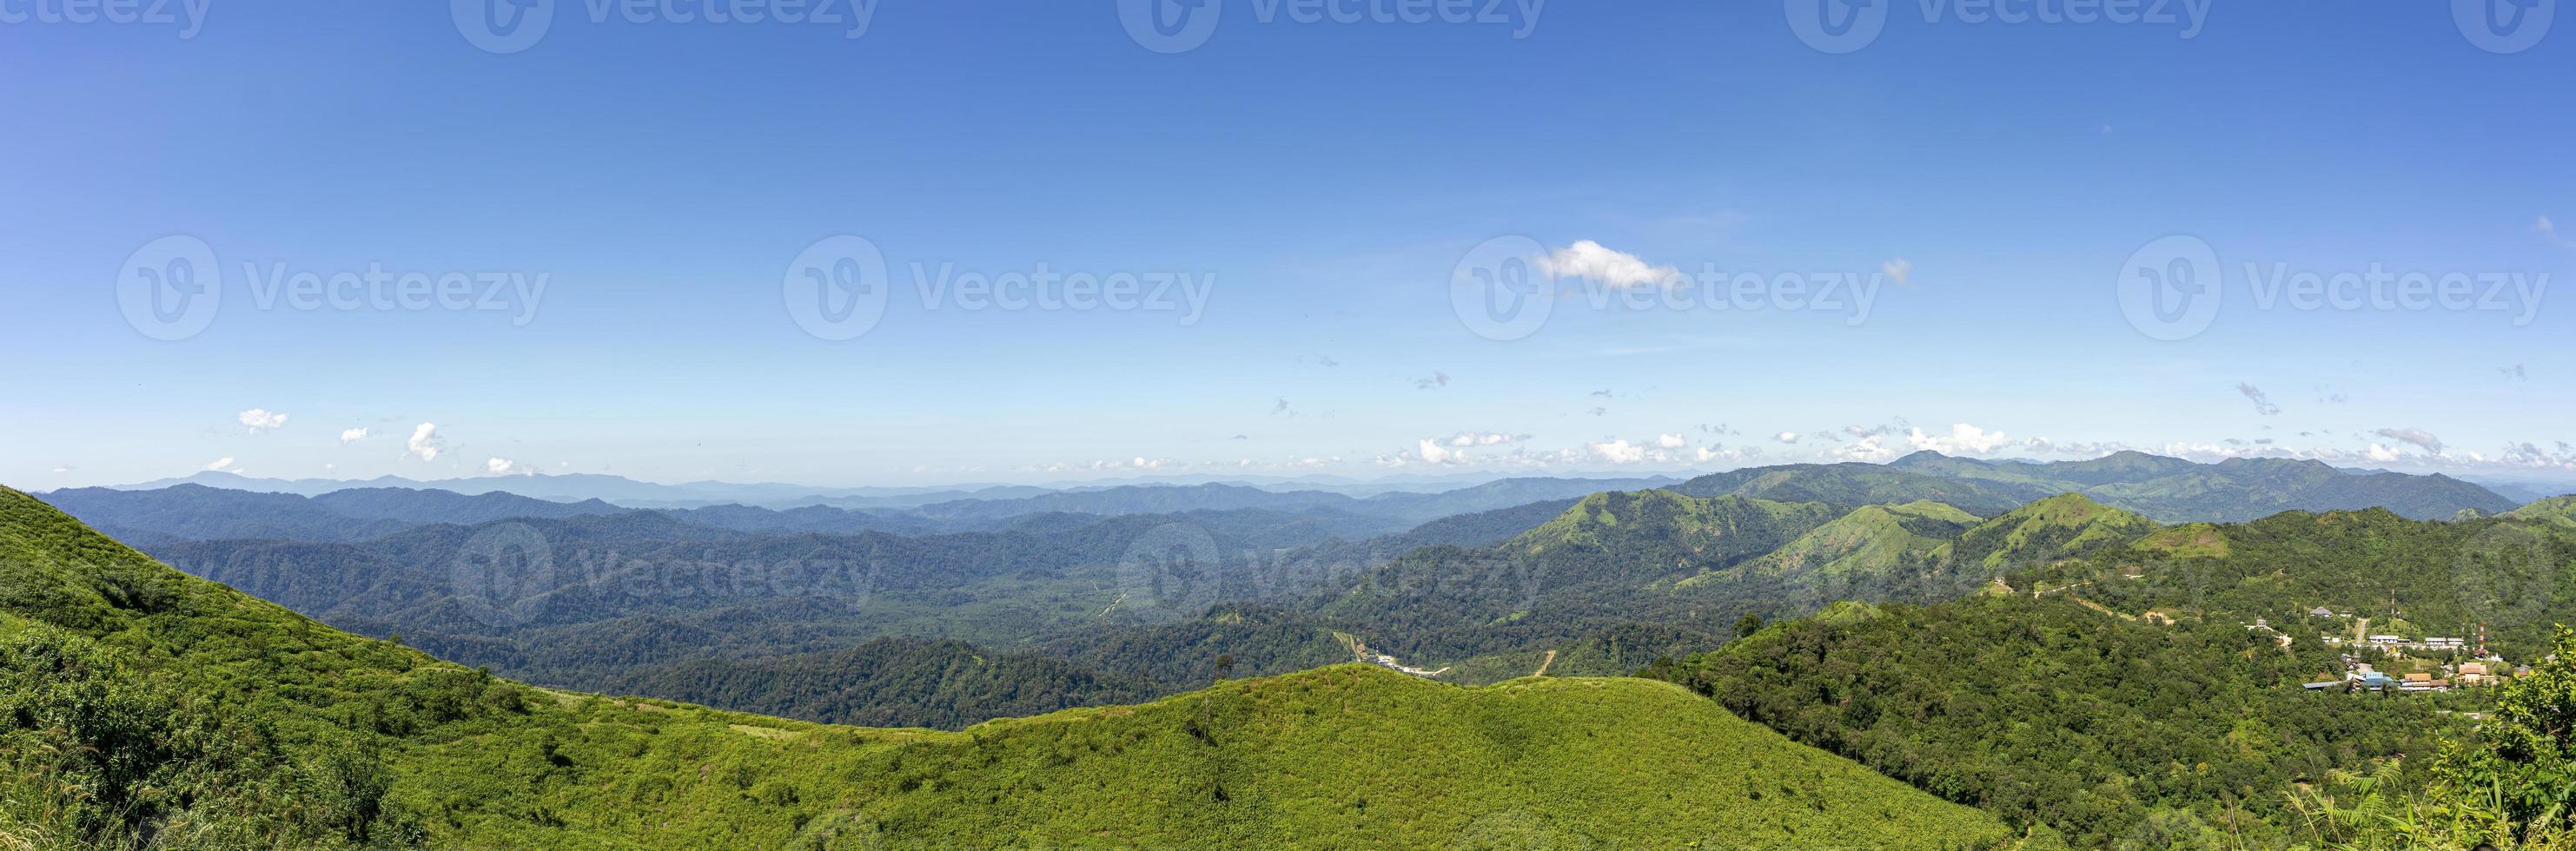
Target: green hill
[
  {"x": 1665, "y": 531},
  {"x": 2047, "y": 530},
  {"x": 148, "y": 707},
  {"x": 1868, "y": 547},
  {"x": 1856, "y": 484},
  {"x": 2557, "y": 511}
]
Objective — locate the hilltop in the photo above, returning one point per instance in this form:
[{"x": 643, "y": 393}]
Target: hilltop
[{"x": 394, "y": 747}]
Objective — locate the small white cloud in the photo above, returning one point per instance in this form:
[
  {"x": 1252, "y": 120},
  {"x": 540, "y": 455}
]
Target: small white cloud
[
  {"x": 221, "y": 464},
  {"x": 506, "y": 467},
  {"x": 1868, "y": 449},
  {"x": 1899, "y": 271},
  {"x": 352, "y": 435},
  {"x": 2416, "y": 436},
  {"x": 2262, "y": 401},
  {"x": 1591, "y": 261},
  {"x": 2549, "y": 231},
  {"x": 1786, "y": 437},
  {"x": 1963, "y": 439},
  {"x": 1434, "y": 453},
  {"x": 2383, "y": 454},
  {"x": 260, "y": 420},
  {"x": 1670, "y": 441},
  {"x": 1619, "y": 452},
  {"x": 1470, "y": 438},
  {"x": 425, "y": 443}
]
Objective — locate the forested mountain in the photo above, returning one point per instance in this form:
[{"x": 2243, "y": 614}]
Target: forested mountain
[
  {"x": 2144, "y": 689},
  {"x": 196, "y": 512},
  {"x": 2113, "y": 732},
  {"x": 152, "y": 706},
  {"x": 2173, "y": 490},
  {"x": 1855, "y": 484}
]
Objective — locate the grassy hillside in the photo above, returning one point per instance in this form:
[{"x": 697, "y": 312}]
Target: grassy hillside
[
  {"x": 1855, "y": 484},
  {"x": 2047, "y": 530},
  {"x": 1868, "y": 546},
  {"x": 152, "y": 706}
]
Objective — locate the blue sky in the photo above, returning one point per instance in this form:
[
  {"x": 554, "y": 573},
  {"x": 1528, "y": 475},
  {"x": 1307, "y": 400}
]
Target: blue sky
[{"x": 1991, "y": 182}]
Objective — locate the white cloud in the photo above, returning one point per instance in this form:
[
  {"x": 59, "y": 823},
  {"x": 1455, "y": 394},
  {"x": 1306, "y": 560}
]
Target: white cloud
[
  {"x": 352, "y": 435},
  {"x": 1470, "y": 438},
  {"x": 2262, "y": 401},
  {"x": 1434, "y": 453},
  {"x": 222, "y": 464},
  {"x": 1963, "y": 439},
  {"x": 2415, "y": 436},
  {"x": 1590, "y": 260},
  {"x": 2383, "y": 454},
  {"x": 1868, "y": 449},
  {"x": 506, "y": 467},
  {"x": 260, "y": 420},
  {"x": 1670, "y": 441},
  {"x": 1619, "y": 452},
  {"x": 1900, "y": 271},
  {"x": 2549, "y": 231},
  {"x": 1786, "y": 437},
  {"x": 425, "y": 443}
]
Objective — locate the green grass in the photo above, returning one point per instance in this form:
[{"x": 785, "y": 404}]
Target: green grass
[{"x": 307, "y": 736}]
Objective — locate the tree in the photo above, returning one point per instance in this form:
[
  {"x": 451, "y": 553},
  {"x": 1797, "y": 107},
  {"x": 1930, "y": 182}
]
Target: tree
[{"x": 1748, "y": 625}]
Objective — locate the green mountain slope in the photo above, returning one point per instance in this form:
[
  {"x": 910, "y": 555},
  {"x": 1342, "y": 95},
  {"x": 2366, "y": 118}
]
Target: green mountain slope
[
  {"x": 1663, "y": 531},
  {"x": 2050, "y": 529},
  {"x": 241, "y": 724},
  {"x": 1871, "y": 545},
  {"x": 1855, "y": 484}
]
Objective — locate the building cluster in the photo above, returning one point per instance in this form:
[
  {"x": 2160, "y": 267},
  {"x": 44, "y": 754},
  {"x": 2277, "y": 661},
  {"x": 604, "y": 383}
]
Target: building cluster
[{"x": 2361, "y": 676}]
